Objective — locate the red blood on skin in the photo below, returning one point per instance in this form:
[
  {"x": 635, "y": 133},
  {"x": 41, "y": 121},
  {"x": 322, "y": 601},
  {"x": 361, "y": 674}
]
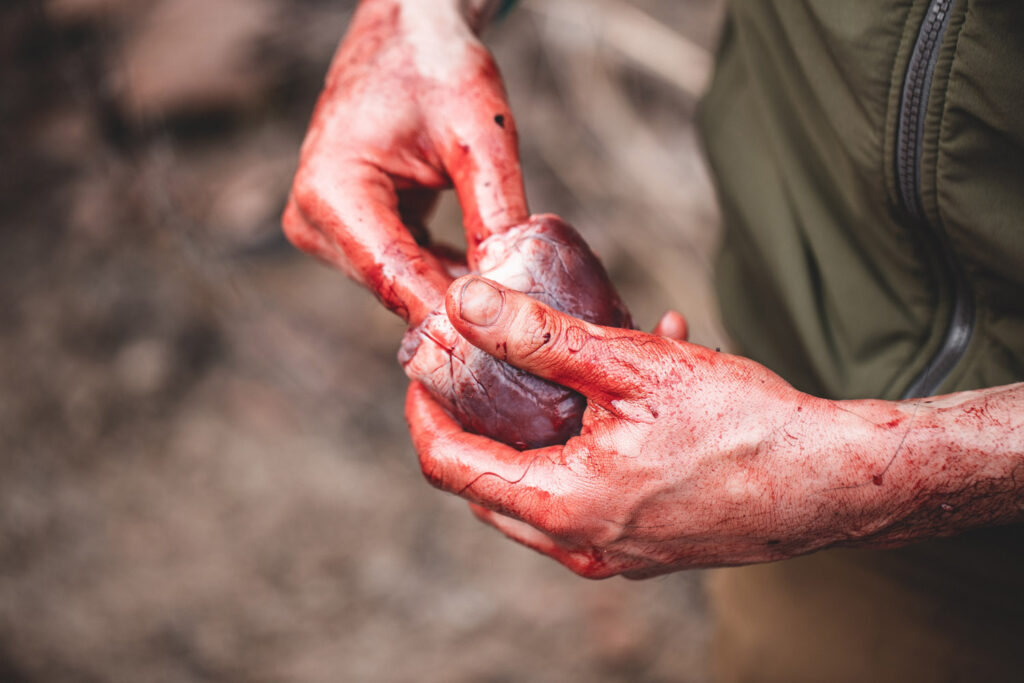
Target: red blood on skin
[
  {"x": 414, "y": 104},
  {"x": 407, "y": 110},
  {"x": 547, "y": 259}
]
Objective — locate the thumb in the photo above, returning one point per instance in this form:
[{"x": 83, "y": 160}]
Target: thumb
[{"x": 603, "y": 363}]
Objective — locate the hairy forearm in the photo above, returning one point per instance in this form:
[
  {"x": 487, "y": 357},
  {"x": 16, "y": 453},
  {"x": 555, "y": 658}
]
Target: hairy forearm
[{"x": 933, "y": 467}]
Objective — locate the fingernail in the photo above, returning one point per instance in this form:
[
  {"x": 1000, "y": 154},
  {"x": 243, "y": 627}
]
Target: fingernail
[{"x": 480, "y": 302}]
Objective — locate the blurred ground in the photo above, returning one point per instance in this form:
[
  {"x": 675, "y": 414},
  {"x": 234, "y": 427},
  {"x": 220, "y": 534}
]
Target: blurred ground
[{"x": 205, "y": 471}]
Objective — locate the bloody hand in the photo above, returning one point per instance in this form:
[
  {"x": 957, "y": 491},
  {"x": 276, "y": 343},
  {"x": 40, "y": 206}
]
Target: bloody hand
[
  {"x": 687, "y": 457},
  {"x": 413, "y": 104}
]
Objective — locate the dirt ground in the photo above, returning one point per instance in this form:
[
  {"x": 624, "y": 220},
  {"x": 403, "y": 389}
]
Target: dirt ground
[{"x": 205, "y": 474}]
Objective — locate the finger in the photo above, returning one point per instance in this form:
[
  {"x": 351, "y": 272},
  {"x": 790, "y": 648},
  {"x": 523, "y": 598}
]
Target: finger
[
  {"x": 590, "y": 564},
  {"x": 309, "y": 240},
  {"x": 478, "y": 144},
  {"x": 357, "y": 216},
  {"x": 496, "y": 476},
  {"x": 520, "y": 532},
  {"x": 673, "y": 326},
  {"x": 602, "y": 363}
]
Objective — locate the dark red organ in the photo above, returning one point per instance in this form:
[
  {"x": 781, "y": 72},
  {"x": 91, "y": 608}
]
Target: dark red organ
[{"x": 547, "y": 259}]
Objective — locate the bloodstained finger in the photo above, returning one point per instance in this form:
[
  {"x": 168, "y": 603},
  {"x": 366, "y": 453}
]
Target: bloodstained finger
[
  {"x": 358, "y": 217},
  {"x": 522, "y": 484},
  {"x": 589, "y": 564},
  {"x": 602, "y": 363},
  {"x": 479, "y": 149}
]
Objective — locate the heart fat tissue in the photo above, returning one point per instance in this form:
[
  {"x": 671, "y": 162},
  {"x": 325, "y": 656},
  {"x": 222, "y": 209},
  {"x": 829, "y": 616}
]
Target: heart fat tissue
[{"x": 547, "y": 259}]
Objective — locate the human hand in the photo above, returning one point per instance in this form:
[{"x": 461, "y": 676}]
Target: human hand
[
  {"x": 413, "y": 101},
  {"x": 413, "y": 104},
  {"x": 687, "y": 457}
]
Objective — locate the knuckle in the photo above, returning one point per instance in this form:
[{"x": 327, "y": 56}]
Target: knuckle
[
  {"x": 298, "y": 232},
  {"x": 576, "y": 521},
  {"x": 432, "y": 471},
  {"x": 559, "y": 526},
  {"x": 431, "y": 464},
  {"x": 603, "y": 533},
  {"x": 307, "y": 191}
]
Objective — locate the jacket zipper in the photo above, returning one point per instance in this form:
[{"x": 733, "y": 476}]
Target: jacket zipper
[{"x": 909, "y": 142}]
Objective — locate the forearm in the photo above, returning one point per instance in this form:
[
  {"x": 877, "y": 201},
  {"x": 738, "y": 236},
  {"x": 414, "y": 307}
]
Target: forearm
[{"x": 934, "y": 467}]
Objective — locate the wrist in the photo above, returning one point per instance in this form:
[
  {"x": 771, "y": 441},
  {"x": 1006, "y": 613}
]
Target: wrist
[
  {"x": 876, "y": 452},
  {"x": 928, "y": 468},
  {"x": 842, "y": 473}
]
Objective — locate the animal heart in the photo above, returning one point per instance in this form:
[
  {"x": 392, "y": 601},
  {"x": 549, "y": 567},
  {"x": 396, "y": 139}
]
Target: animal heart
[{"x": 547, "y": 259}]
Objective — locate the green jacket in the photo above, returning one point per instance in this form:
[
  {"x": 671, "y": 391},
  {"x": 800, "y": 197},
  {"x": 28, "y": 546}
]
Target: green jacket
[{"x": 869, "y": 156}]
